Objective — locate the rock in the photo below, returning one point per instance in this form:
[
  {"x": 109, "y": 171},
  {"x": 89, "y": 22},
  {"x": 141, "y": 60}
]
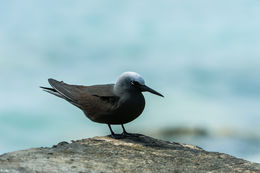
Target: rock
[
  {"x": 130, "y": 154},
  {"x": 169, "y": 132}
]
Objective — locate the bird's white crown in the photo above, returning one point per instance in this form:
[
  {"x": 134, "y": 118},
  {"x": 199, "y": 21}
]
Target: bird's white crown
[{"x": 131, "y": 76}]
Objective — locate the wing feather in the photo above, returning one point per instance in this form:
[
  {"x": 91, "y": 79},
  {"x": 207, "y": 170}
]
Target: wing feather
[{"x": 87, "y": 97}]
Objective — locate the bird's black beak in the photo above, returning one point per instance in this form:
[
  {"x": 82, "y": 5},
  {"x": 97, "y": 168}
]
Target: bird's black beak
[{"x": 146, "y": 88}]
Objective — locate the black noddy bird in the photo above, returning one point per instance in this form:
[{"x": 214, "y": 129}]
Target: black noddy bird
[{"x": 111, "y": 104}]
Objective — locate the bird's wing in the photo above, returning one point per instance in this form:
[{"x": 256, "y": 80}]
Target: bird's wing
[
  {"x": 52, "y": 91},
  {"x": 87, "y": 96}
]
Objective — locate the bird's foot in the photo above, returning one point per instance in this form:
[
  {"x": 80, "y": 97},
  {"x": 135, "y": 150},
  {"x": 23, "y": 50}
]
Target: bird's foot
[
  {"x": 125, "y": 134},
  {"x": 116, "y": 136}
]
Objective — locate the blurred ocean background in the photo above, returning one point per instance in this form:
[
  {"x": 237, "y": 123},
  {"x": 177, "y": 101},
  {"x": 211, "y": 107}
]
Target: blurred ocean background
[{"x": 204, "y": 56}]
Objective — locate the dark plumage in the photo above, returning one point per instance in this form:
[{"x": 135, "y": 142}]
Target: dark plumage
[{"x": 117, "y": 103}]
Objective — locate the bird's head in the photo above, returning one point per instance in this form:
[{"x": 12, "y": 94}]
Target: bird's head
[{"x": 128, "y": 81}]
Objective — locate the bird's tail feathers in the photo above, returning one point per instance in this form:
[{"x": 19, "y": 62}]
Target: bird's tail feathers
[
  {"x": 56, "y": 93},
  {"x": 52, "y": 91}
]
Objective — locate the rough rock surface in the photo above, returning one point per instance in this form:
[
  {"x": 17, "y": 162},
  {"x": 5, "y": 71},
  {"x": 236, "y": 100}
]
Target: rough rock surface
[{"x": 130, "y": 154}]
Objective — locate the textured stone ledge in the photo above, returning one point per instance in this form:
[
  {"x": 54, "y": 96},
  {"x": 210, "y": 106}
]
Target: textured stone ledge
[{"x": 131, "y": 154}]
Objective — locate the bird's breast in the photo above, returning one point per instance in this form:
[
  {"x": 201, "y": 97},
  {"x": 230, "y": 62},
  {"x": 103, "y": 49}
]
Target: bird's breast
[{"x": 130, "y": 107}]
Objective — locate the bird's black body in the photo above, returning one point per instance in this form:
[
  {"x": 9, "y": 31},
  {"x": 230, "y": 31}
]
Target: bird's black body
[{"x": 118, "y": 103}]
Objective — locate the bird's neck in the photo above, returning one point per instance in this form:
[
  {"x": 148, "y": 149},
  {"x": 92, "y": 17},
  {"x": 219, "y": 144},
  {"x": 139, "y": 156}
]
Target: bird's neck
[{"x": 121, "y": 90}]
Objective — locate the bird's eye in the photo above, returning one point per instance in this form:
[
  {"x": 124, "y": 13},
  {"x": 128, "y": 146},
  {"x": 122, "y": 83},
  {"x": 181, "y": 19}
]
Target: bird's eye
[{"x": 135, "y": 83}]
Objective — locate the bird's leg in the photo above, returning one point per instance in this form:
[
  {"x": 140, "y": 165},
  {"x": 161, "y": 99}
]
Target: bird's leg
[
  {"x": 125, "y": 133},
  {"x": 113, "y": 135}
]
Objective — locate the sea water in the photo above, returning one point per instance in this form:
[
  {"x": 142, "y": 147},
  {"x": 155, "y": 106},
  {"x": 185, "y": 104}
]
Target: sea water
[{"x": 202, "y": 55}]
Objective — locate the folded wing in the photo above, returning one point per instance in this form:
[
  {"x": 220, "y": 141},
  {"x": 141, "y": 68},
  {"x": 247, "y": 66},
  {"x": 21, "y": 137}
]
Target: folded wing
[{"x": 88, "y": 98}]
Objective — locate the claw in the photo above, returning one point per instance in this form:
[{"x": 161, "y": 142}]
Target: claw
[
  {"x": 116, "y": 136},
  {"x": 125, "y": 134}
]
